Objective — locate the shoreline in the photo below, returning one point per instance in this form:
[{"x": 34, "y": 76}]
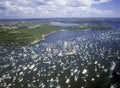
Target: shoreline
[
  {"x": 43, "y": 38},
  {"x": 39, "y": 38}
]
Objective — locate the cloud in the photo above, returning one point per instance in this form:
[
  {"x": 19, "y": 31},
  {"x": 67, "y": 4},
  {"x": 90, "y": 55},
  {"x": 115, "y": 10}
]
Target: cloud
[
  {"x": 101, "y": 1},
  {"x": 51, "y": 8}
]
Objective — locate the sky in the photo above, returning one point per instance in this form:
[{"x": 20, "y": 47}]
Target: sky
[{"x": 58, "y": 8}]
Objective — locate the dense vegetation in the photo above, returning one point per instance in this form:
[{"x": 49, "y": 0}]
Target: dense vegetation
[{"x": 23, "y": 35}]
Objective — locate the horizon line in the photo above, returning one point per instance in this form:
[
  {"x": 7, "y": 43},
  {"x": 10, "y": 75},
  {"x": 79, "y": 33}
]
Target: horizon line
[{"x": 57, "y": 17}]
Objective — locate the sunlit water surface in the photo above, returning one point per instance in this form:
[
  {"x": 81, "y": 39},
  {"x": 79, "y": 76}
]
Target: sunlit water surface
[{"x": 65, "y": 59}]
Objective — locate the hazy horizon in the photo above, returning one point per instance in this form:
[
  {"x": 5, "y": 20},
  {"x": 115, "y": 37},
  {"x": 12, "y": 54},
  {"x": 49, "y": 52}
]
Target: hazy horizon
[{"x": 60, "y": 18}]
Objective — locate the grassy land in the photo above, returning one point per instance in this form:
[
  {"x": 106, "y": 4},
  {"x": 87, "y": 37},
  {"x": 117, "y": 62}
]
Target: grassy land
[{"x": 23, "y": 35}]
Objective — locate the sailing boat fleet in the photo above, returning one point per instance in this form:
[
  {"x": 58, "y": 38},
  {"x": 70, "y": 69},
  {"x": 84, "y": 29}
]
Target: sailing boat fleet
[{"x": 59, "y": 64}]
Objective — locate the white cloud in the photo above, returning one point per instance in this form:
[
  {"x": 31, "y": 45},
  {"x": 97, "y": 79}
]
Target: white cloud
[
  {"x": 52, "y": 8},
  {"x": 101, "y": 1}
]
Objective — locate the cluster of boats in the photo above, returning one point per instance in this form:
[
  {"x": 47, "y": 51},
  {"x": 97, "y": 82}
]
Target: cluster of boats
[{"x": 79, "y": 62}]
